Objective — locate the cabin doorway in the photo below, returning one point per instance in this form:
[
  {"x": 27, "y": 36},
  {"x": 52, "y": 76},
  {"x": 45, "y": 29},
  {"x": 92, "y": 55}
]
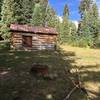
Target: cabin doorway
[
  {"x": 1, "y": 39},
  {"x": 27, "y": 41}
]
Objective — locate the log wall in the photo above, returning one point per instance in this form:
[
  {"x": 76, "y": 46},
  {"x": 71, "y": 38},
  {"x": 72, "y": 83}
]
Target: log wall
[{"x": 39, "y": 41}]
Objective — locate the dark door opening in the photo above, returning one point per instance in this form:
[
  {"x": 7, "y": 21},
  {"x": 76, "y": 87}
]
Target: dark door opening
[
  {"x": 27, "y": 41},
  {"x": 1, "y": 38}
]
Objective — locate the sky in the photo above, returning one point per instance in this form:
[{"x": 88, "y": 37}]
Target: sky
[{"x": 58, "y": 5}]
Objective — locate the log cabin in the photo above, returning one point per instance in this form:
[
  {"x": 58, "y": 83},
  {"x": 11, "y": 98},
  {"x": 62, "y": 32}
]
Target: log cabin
[{"x": 25, "y": 37}]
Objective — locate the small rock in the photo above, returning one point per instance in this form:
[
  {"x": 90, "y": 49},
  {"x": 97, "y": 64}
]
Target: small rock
[
  {"x": 49, "y": 97},
  {"x": 14, "y": 92},
  {"x": 51, "y": 76},
  {"x": 9, "y": 68},
  {"x": 23, "y": 82},
  {"x": 3, "y": 73}
]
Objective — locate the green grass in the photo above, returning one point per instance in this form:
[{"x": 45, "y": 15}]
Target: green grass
[
  {"x": 88, "y": 62},
  {"x": 17, "y": 81}
]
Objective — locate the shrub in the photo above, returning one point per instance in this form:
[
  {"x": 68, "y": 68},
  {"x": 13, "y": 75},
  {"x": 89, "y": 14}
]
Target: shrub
[{"x": 5, "y": 45}]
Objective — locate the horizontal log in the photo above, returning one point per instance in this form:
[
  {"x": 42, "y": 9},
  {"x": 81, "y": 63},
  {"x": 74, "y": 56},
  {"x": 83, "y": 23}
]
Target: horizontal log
[
  {"x": 44, "y": 40},
  {"x": 17, "y": 38},
  {"x": 17, "y": 42}
]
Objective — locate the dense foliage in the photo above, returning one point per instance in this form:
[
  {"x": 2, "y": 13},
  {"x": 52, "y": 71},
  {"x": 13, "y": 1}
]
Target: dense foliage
[
  {"x": 33, "y": 12},
  {"x": 44, "y": 15},
  {"x": 40, "y": 13},
  {"x": 67, "y": 29},
  {"x": 89, "y": 24},
  {"x": 0, "y": 7},
  {"x": 7, "y": 17}
]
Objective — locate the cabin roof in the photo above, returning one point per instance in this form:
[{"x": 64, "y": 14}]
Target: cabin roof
[{"x": 36, "y": 29}]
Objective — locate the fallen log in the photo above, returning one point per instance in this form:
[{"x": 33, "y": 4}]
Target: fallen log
[
  {"x": 70, "y": 93},
  {"x": 77, "y": 84}
]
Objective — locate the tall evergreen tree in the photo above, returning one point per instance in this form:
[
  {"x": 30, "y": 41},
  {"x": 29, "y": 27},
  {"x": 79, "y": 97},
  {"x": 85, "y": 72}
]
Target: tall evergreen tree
[
  {"x": 64, "y": 27},
  {"x": 44, "y": 7},
  {"x": 7, "y": 17},
  {"x": 0, "y": 7},
  {"x": 39, "y": 13},
  {"x": 88, "y": 28},
  {"x": 36, "y": 16},
  {"x": 23, "y": 11},
  {"x": 65, "y": 14},
  {"x": 85, "y": 5},
  {"x": 95, "y": 22},
  {"x": 51, "y": 18},
  {"x": 18, "y": 12},
  {"x": 27, "y": 6},
  {"x": 95, "y": 11}
]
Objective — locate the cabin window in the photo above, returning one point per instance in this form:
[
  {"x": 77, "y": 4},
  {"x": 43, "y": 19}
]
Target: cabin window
[{"x": 27, "y": 41}]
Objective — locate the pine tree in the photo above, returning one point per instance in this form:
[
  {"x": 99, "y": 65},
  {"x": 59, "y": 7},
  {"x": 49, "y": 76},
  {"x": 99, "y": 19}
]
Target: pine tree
[
  {"x": 95, "y": 11},
  {"x": 36, "y": 16},
  {"x": 18, "y": 12},
  {"x": 39, "y": 13},
  {"x": 65, "y": 14},
  {"x": 0, "y": 7},
  {"x": 88, "y": 29},
  {"x": 23, "y": 11},
  {"x": 64, "y": 27},
  {"x": 44, "y": 7},
  {"x": 85, "y": 5},
  {"x": 27, "y": 6},
  {"x": 86, "y": 36},
  {"x": 95, "y": 23},
  {"x": 51, "y": 18},
  {"x": 7, "y": 17}
]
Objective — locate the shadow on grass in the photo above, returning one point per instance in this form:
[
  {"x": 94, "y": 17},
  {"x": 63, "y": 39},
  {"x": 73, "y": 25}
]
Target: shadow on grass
[
  {"x": 90, "y": 75},
  {"x": 16, "y": 81}
]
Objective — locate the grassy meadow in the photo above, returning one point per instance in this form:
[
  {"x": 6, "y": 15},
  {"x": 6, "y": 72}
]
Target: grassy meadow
[
  {"x": 16, "y": 80},
  {"x": 88, "y": 62}
]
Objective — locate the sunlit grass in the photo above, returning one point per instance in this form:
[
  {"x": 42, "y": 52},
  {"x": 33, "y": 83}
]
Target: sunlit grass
[{"x": 88, "y": 62}]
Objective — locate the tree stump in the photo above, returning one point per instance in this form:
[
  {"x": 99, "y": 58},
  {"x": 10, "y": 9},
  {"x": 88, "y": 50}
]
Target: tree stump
[{"x": 39, "y": 69}]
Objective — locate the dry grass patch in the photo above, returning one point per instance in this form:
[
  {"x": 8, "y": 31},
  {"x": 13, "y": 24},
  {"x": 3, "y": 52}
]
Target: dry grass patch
[{"x": 88, "y": 62}]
